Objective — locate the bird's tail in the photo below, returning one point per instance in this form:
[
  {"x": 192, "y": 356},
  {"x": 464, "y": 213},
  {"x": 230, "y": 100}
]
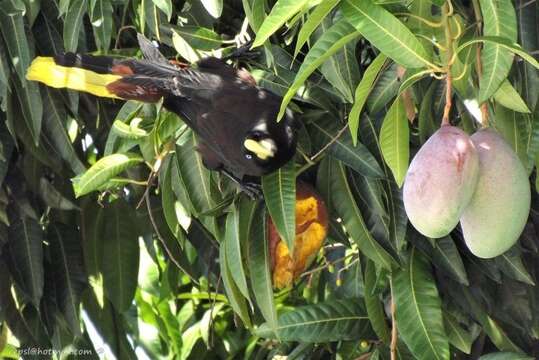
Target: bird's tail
[{"x": 104, "y": 76}]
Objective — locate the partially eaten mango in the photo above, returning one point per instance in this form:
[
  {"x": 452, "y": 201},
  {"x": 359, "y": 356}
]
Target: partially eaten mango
[{"x": 311, "y": 231}]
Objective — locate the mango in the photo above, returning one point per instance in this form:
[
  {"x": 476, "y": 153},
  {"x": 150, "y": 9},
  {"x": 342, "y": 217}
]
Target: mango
[
  {"x": 440, "y": 181},
  {"x": 311, "y": 231},
  {"x": 498, "y": 211}
]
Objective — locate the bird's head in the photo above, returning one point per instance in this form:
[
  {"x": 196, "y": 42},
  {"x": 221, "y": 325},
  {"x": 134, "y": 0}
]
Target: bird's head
[{"x": 270, "y": 144}]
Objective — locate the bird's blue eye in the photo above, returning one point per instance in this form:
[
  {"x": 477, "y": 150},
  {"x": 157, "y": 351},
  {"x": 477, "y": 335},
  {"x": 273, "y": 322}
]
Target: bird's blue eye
[{"x": 248, "y": 156}]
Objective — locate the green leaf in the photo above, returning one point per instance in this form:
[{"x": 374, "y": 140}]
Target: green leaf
[
  {"x": 279, "y": 189},
  {"x": 20, "y": 52},
  {"x": 233, "y": 250},
  {"x": 446, "y": 256},
  {"x": 10, "y": 351},
  {"x": 394, "y": 137},
  {"x": 195, "y": 176},
  {"x": 73, "y": 23},
  {"x": 189, "y": 340},
  {"x": 120, "y": 255},
  {"x": 282, "y": 11},
  {"x": 213, "y": 7},
  {"x": 328, "y": 44},
  {"x": 532, "y": 146},
  {"x": 344, "y": 203},
  {"x": 327, "y": 321},
  {"x": 362, "y": 92},
  {"x": 171, "y": 330},
  {"x": 69, "y": 275},
  {"x": 426, "y": 124},
  {"x": 386, "y": 33},
  {"x": 505, "y": 356},
  {"x": 168, "y": 198},
  {"x": 151, "y": 16},
  {"x": 356, "y": 157},
  {"x": 373, "y": 304},
  {"x": 11, "y": 17},
  {"x": 166, "y": 6},
  {"x": 259, "y": 262},
  {"x": 233, "y": 293},
  {"x": 54, "y": 198},
  {"x": 128, "y": 131},
  {"x": 397, "y": 218},
  {"x": 92, "y": 224},
  {"x": 496, "y": 334},
  {"x": 504, "y": 43},
  {"x": 341, "y": 69},
  {"x": 4, "y": 77},
  {"x": 499, "y": 19},
  {"x": 457, "y": 336},
  {"x": 101, "y": 19},
  {"x": 199, "y": 37},
  {"x": 54, "y": 116},
  {"x": 419, "y": 313},
  {"x": 510, "y": 263},
  {"x": 102, "y": 171},
  {"x": 110, "y": 324},
  {"x": 32, "y": 107},
  {"x": 507, "y": 96},
  {"x": 25, "y": 256},
  {"x": 412, "y": 77},
  {"x": 513, "y": 127},
  {"x": 127, "y": 112},
  {"x": 529, "y": 38},
  {"x": 315, "y": 18},
  {"x": 384, "y": 90}
]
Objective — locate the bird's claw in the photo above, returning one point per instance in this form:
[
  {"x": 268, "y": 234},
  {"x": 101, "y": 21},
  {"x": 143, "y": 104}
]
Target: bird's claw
[
  {"x": 252, "y": 190},
  {"x": 243, "y": 53}
]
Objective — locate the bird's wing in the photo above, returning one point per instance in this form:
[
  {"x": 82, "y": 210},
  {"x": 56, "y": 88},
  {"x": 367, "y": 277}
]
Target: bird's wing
[{"x": 150, "y": 51}]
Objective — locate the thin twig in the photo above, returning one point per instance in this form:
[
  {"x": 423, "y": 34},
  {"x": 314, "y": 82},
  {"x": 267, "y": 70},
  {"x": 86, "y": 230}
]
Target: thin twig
[
  {"x": 326, "y": 265},
  {"x": 447, "y": 12},
  {"x": 335, "y": 138},
  {"x": 394, "y": 334},
  {"x": 149, "y": 183},
  {"x": 167, "y": 250},
  {"x": 448, "y": 100},
  {"x": 522, "y": 6},
  {"x": 212, "y": 307},
  {"x": 478, "y": 64},
  {"x": 344, "y": 268},
  {"x": 419, "y": 18},
  {"x": 119, "y": 33}
]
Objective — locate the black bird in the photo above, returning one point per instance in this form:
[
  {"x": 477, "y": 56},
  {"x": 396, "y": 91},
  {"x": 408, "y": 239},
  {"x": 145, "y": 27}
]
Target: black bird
[{"x": 234, "y": 119}]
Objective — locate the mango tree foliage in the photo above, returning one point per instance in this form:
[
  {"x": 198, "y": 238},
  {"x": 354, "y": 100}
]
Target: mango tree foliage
[{"x": 116, "y": 241}]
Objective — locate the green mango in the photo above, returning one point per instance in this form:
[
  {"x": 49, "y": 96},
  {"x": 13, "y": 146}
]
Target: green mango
[
  {"x": 499, "y": 209},
  {"x": 440, "y": 181}
]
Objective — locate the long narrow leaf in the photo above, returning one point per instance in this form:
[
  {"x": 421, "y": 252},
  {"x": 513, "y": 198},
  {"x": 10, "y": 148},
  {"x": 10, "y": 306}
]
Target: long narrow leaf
[
  {"x": 344, "y": 204},
  {"x": 280, "y": 195},
  {"x": 419, "y": 313},
  {"x": 260, "y": 269},
  {"x": 327, "y": 321},
  {"x": 387, "y": 33},
  {"x": 499, "y": 19},
  {"x": 362, "y": 92},
  {"x": 394, "y": 137},
  {"x": 280, "y": 13},
  {"x": 102, "y": 171},
  {"x": 329, "y": 43}
]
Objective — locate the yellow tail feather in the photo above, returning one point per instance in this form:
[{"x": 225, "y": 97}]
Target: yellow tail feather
[{"x": 45, "y": 70}]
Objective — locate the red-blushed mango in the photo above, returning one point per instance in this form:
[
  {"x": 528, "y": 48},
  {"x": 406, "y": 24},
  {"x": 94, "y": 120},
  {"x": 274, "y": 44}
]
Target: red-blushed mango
[
  {"x": 311, "y": 231},
  {"x": 497, "y": 213},
  {"x": 441, "y": 181}
]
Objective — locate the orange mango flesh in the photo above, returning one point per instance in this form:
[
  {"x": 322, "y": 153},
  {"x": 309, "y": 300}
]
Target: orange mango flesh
[{"x": 311, "y": 231}]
